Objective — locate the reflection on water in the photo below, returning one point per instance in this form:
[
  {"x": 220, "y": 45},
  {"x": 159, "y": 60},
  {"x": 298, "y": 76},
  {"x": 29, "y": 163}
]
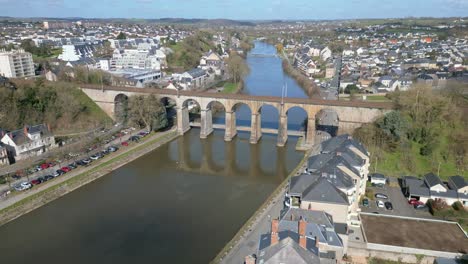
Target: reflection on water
[
  {"x": 188, "y": 196},
  {"x": 179, "y": 204}
]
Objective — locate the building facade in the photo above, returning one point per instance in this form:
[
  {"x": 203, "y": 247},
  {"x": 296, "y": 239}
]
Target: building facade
[{"x": 16, "y": 64}]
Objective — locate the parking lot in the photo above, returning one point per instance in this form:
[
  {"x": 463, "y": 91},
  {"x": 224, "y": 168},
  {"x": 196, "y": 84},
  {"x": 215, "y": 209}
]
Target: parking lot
[{"x": 398, "y": 200}]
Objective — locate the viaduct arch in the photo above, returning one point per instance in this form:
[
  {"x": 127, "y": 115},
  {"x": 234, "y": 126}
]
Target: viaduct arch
[{"x": 350, "y": 115}]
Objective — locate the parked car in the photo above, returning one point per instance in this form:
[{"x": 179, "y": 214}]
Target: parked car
[
  {"x": 388, "y": 206},
  {"x": 45, "y": 166},
  {"x": 94, "y": 157},
  {"x": 57, "y": 173},
  {"x": 23, "y": 186},
  {"x": 38, "y": 168},
  {"x": 365, "y": 202},
  {"x": 420, "y": 206},
  {"x": 135, "y": 138},
  {"x": 381, "y": 196},
  {"x": 65, "y": 169},
  {"x": 415, "y": 202},
  {"x": 48, "y": 177},
  {"x": 35, "y": 182},
  {"x": 112, "y": 149},
  {"x": 125, "y": 143},
  {"x": 16, "y": 177},
  {"x": 143, "y": 133},
  {"x": 87, "y": 161},
  {"x": 72, "y": 166},
  {"x": 380, "y": 203}
]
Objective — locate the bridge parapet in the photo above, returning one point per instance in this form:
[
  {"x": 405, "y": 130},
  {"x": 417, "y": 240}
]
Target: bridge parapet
[{"x": 350, "y": 114}]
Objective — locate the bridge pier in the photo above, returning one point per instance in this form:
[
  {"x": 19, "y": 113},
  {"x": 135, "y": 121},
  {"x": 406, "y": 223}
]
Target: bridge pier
[
  {"x": 183, "y": 124},
  {"x": 231, "y": 130},
  {"x": 256, "y": 128},
  {"x": 206, "y": 123},
  {"x": 282, "y": 131},
  {"x": 310, "y": 134}
]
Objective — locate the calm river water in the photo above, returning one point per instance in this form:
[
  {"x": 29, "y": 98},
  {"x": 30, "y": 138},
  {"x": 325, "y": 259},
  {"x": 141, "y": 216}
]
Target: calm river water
[{"x": 179, "y": 204}]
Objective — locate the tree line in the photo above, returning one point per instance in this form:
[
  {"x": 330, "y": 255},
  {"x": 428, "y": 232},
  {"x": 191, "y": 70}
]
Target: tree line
[{"x": 426, "y": 123}]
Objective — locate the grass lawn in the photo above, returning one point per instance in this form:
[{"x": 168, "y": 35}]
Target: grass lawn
[
  {"x": 229, "y": 88},
  {"x": 377, "y": 98}
]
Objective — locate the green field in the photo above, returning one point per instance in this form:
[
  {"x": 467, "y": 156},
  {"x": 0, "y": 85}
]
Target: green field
[
  {"x": 229, "y": 88},
  {"x": 380, "y": 98}
]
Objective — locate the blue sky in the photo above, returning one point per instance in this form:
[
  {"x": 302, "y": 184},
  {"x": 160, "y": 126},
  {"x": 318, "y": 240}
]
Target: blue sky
[{"x": 234, "y": 9}]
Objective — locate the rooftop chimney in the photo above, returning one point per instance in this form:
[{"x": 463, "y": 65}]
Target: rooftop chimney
[
  {"x": 274, "y": 231},
  {"x": 317, "y": 241},
  {"x": 338, "y": 153},
  {"x": 48, "y": 127},
  {"x": 3, "y": 133},
  {"x": 25, "y": 130},
  {"x": 249, "y": 259},
  {"x": 302, "y": 233}
]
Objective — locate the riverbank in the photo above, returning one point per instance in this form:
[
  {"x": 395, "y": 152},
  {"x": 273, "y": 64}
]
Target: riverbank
[
  {"x": 240, "y": 245},
  {"x": 43, "y": 194},
  {"x": 307, "y": 85}
]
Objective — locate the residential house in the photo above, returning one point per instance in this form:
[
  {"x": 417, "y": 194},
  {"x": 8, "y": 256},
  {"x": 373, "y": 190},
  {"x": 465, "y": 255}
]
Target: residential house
[
  {"x": 301, "y": 241},
  {"x": 194, "y": 79},
  {"x": 431, "y": 187},
  {"x": 29, "y": 141},
  {"x": 325, "y": 54}
]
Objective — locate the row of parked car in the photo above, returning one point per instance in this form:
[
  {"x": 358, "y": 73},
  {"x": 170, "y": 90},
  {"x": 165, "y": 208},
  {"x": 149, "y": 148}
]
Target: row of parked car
[
  {"x": 83, "y": 162},
  {"x": 381, "y": 204}
]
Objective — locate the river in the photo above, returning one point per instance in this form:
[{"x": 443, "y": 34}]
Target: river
[{"x": 179, "y": 204}]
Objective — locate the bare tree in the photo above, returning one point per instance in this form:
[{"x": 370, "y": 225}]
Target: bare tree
[{"x": 237, "y": 68}]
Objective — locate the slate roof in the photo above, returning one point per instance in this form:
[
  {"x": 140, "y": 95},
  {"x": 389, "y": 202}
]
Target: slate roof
[
  {"x": 286, "y": 250},
  {"x": 345, "y": 140},
  {"x": 196, "y": 72},
  {"x": 300, "y": 183},
  {"x": 20, "y": 138},
  {"x": 310, "y": 216},
  {"x": 324, "y": 191},
  {"x": 458, "y": 181},
  {"x": 447, "y": 194},
  {"x": 432, "y": 180},
  {"x": 416, "y": 186}
]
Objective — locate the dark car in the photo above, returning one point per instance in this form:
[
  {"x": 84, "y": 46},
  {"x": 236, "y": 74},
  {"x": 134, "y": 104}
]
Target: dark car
[
  {"x": 41, "y": 179},
  {"x": 48, "y": 177},
  {"x": 72, "y": 166},
  {"x": 35, "y": 182},
  {"x": 135, "y": 138},
  {"x": 365, "y": 202},
  {"x": 388, "y": 206},
  {"x": 16, "y": 177},
  {"x": 381, "y": 196},
  {"x": 81, "y": 163}
]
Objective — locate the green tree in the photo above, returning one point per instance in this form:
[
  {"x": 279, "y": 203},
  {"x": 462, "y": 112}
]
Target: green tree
[
  {"x": 236, "y": 67},
  {"x": 121, "y": 35},
  {"x": 148, "y": 112},
  {"x": 351, "y": 88}
]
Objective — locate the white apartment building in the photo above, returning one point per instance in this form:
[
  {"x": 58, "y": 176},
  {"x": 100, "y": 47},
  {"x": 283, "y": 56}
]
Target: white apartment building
[
  {"x": 136, "y": 59},
  {"x": 16, "y": 64}
]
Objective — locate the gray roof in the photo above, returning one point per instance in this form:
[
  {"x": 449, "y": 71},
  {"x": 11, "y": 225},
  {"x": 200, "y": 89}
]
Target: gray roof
[
  {"x": 287, "y": 250},
  {"x": 416, "y": 187},
  {"x": 345, "y": 140},
  {"x": 196, "y": 72},
  {"x": 300, "y": 183},
  {"x": 458, "y": 181},
  {"x": 324, "y": 191},
  {"x": 20, "y": 138},
  {"x": 447, "y": 194},
  {"x": 432, "y": 180},
  {"x": 311, "y": 216}
]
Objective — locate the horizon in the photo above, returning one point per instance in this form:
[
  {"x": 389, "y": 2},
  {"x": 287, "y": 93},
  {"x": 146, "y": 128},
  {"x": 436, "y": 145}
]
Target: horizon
[{"x": 240, "y": 10}]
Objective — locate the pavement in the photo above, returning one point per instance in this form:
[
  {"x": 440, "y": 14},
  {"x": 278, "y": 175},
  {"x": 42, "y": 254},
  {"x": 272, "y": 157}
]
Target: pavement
[{"x": 398, "y": 200}]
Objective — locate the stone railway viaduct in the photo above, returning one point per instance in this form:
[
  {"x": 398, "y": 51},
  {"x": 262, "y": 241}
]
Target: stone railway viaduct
[{"x": 351, "y": 114}]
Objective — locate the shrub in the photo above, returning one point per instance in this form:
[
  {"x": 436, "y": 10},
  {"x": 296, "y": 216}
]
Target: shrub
[{"x": 458, "y": 206}]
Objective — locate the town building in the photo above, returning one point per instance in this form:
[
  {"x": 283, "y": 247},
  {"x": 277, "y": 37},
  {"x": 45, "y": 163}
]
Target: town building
[
  {"x": 3, "y": 155},
  {"x": 16, "y": 64},
  {"x": 432, "y": 187},
  {"x": 28, "y": 142}
]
